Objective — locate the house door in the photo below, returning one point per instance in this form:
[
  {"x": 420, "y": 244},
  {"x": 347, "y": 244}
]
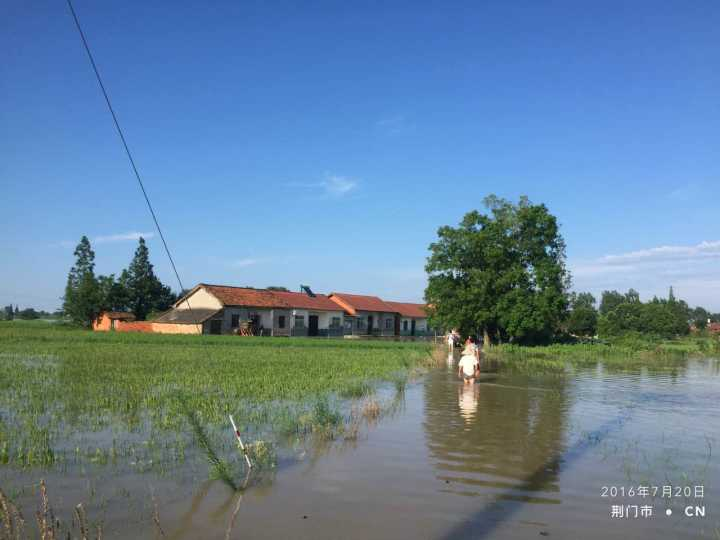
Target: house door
[
  {"x": 412, "y": 327},
  {"x": 370, "y": 324},
  {"x": 216, "y": 326},
  {"x": 312, "y": 325},
  {"x": 397, "y": 325}
]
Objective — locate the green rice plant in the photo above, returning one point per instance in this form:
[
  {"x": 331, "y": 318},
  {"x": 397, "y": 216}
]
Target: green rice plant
[
  {"x": 60, "y": 385},
  {"x": 356, "y": 390},
  {"x": 324, "y": 417},
  {"x": 262, "y": 454},
  {"x": 219, "y": 467}
]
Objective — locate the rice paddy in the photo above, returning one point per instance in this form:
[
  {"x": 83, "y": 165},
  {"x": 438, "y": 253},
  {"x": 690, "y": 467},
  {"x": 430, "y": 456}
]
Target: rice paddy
[{"x": 71, "y": 397}]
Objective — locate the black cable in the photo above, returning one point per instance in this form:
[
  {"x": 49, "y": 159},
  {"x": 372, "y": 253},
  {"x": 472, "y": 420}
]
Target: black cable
[{"x": 127, "y": 150}]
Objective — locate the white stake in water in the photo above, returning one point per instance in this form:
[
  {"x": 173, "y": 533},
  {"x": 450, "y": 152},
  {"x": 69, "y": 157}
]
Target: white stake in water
[{"x": 242, "y": 446}]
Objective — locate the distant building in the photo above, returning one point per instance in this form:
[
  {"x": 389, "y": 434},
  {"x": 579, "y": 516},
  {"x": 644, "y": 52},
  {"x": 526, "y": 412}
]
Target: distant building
[
  {"x": 714, "y": 328},
  {"x": 120, "y": 321},
  {"x": 366, "y": 315},
  {"x": 413, "y": 318},
  {"x": 111, "y": 320},
  {"x": 222, "y": 309}
]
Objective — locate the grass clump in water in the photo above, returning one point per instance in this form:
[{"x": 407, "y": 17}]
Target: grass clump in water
[{"x": 356, "y": 390}]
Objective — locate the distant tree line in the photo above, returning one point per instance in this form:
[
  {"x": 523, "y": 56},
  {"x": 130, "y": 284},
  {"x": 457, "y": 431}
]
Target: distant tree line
[
  {"x": 137, "y": 289},
  {"x": 9, "y": 313},
  {"x": 502, "y": 275},
  {"x": 623, "y": 313}
]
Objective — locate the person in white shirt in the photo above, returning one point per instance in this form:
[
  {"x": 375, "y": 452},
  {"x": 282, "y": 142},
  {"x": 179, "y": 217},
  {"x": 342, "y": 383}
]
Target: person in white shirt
[
  {"x": 451, "y": 340},
  {"x": 468, "y": 364}
]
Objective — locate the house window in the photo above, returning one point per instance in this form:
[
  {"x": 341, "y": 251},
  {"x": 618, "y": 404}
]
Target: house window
[
  {"x": 405, "y": 326},
  {"x": 281, "y": 321},
  {"x": 388, "y": 324},
  {"x": 235, "y": 321},
  {"x": 335, "y": 322},
  {"x": 359, "y": 323},
  {"x": 300, "y": 321}
]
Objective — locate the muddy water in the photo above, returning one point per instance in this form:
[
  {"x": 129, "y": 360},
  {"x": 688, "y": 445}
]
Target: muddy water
[{"x": 514, "y": 456}]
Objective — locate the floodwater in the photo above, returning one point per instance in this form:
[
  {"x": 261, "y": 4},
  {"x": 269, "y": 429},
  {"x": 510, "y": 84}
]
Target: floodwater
[{"x": 513, "y": 456}]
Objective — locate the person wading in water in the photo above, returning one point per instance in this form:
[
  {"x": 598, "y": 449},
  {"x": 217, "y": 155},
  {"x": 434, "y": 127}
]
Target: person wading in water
[{"x": 468, "y": 365}]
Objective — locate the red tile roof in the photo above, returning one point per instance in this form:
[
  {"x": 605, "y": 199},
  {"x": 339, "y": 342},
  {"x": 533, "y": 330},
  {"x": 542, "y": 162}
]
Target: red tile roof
[
  {"x": 303, "y": 301},
  {"x": 243, "y": 296},
  {"x": 358, "y": 302},
  {"x": 407, "y": 309}
]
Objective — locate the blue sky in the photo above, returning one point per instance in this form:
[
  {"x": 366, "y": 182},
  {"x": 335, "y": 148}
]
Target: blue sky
[{"x": 289, "y": 143}]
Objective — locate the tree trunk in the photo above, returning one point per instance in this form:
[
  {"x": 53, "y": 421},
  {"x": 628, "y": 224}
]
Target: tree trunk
[{"x": 486, "y": 338}]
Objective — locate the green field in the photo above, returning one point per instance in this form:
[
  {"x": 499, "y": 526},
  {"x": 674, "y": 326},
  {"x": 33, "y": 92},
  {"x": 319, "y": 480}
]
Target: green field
[
  {"x": 72, "y": 396},
  {"x": 627, "y": 353}
]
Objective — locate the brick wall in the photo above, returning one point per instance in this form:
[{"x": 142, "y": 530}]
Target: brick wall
[{"x": 134, "y": 326}]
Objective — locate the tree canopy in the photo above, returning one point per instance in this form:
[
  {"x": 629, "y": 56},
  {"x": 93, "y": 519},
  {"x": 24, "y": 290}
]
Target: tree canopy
[
  {"x": 145, "y": 292},
  {"x": 582, "y": 320},
  {"x": 137, "y": 289},
  {"x": 501, "y": 273},
  {"x": 82, "y": 300},
  {"x": 665, "y": 318}
]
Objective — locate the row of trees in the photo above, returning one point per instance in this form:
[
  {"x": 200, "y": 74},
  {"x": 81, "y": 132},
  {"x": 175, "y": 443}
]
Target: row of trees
[
  {"x": 623, "y": 313},
  {"x": 137, "y": 289},
  {"x": 9, "y": 313},
  {"x": 503, "y": 275}
]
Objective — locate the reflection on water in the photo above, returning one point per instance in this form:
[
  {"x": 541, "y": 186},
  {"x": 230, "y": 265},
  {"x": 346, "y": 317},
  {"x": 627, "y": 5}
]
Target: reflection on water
[
  {"x": 493, "y": 439},
  {"x": 468, "y": 401},
  {"x": 513, "y": 456}
]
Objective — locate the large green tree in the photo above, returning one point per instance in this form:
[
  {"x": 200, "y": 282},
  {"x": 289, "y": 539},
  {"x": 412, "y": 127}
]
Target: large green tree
[
  {"x": 666, "y": 318},
  {"x": 145, "y": 292},
  {"x": 582, "y": 320},
  {"x": 114, "y": 292},
  {"x": 501, "y": 274},
  {"x": 612, "y": 299},
  {"x": 82, "y": 300}
]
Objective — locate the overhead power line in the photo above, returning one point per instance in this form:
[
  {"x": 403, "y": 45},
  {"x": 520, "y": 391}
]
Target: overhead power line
[{"x": 125, "y": 145}]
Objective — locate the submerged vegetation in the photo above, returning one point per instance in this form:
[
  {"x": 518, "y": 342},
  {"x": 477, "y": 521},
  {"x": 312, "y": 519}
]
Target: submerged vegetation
[
  {"x": 69, "y": 396},
  {"x": 628, "y": 352}
]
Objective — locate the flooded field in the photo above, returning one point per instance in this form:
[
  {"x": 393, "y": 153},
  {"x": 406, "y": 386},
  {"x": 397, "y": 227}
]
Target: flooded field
[{"x": 517, "y": 455}]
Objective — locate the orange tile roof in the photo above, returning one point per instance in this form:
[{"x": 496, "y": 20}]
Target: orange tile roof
[
  {"x": 407, "y": 309},
  {"x": 244, "y": 296},
  {"x": 303, "y": 301},
  {"x": 352, "y": 303}
]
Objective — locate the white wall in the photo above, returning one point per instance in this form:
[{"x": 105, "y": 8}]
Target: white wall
[
  {"x": 324, "y": 317},
  {"x": 200, "y": 299},
  {"x": 420, "y": 325},
  {"x": 227, "y": 317}
]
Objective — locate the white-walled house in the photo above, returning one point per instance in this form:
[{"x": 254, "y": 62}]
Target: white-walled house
[
  {"x": 367, "y": 315},
  {"x": 413, "y": 318},
  {"x": 222, "y": 309}
]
